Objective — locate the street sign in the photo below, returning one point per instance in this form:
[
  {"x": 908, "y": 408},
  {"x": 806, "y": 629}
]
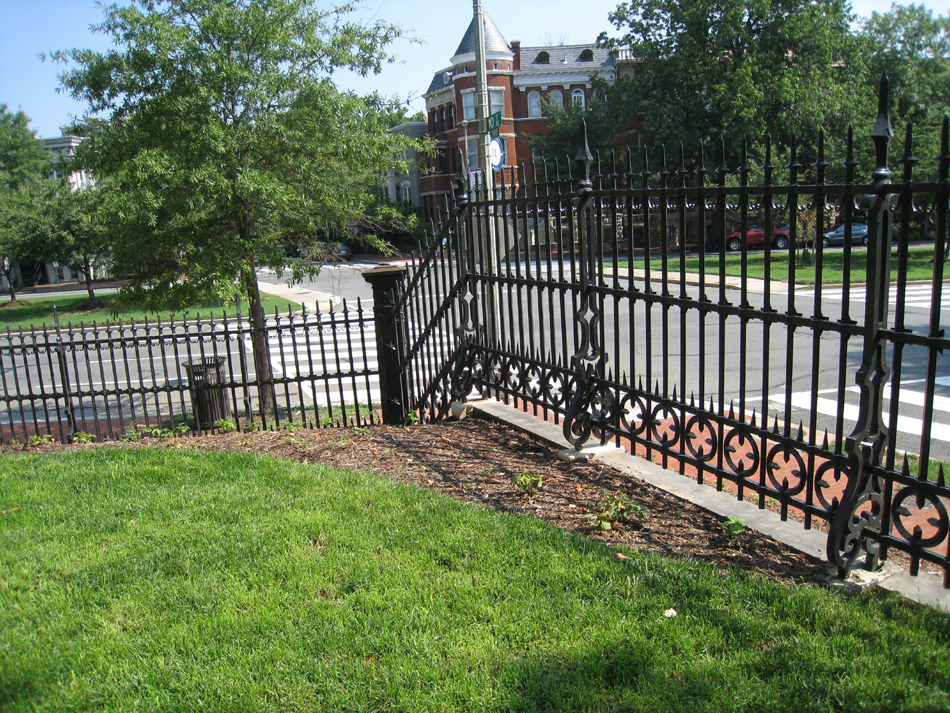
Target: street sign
[
  {"x": 495, "y": 153},
  {"x": 493, "y": 124}
]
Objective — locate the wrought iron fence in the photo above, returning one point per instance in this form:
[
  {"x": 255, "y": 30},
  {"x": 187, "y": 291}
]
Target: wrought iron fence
[
  {"x": 631, "y": 306},
  {"x": 108, "y": 379}
]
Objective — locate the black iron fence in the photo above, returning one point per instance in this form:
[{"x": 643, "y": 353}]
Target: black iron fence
[
  {"x": 640, "y": 305},
  {"x": 107, "y": 380}
]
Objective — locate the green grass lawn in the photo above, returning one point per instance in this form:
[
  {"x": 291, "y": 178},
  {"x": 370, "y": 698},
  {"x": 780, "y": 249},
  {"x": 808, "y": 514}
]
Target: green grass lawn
[
  {"x": 39, "y": 311},
  {"x": 919, "y": 266},
  {"x": 153, "y": 579}
]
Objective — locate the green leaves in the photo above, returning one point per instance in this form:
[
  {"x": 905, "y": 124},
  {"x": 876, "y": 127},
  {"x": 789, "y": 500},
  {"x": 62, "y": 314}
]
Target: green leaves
[
  {"x": 226, "y": 139},
  {"x": 707, "y": 69}
]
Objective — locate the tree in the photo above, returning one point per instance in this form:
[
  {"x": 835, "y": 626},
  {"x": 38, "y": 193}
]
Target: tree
[
  {"x": 77, "y": 230},
  {"x": 707, "y": 69},
  {"x": 913, "y": 47},
  {"x": 227, "y": 140},
  {"x": 24, "y": 164},
  {"x": 608, "y": 125}
]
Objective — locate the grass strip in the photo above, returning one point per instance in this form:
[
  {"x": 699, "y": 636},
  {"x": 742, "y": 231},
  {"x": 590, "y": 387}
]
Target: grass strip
[
  {"x": 38, "y": 312},
  {"x": 156, "y": 579},
  {"x": 919, "y": 266}
]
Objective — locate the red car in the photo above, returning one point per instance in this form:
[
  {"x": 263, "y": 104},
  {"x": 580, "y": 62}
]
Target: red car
[{"x": 755, "y": 237}]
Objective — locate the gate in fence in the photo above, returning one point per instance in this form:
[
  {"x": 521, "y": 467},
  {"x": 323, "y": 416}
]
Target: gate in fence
[{"x": 629, "y": 305}]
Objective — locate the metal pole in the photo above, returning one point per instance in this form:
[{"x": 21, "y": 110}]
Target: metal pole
[{"x": 484, "y": 142}]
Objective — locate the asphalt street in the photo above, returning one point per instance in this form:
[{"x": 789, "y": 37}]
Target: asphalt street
[{"x": 776, "y": 370}]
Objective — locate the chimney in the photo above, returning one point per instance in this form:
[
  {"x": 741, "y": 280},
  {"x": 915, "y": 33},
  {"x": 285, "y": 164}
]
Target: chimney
[{"x": 516, "y": 48}]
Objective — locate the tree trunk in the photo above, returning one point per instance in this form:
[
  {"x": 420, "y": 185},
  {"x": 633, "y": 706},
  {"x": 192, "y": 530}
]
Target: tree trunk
[
  {"x": 9, "y": 275},
  {"x": 259, "y": 343},
  {"x": 86, "y": 270}
]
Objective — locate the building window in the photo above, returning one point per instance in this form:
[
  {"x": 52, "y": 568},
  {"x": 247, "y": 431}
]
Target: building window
[
  {"x": 405, "y": 192},
  {"x": 496, "y": 101},
  {"x": 468, "y": 106},
  {"x": 471, "y": 148},
  {"x": 578, "y": 98},
  {"x": 451, "y": 116},
  {"x": 534, "y": 103},
  {"x": 442, "y": 120},
  {"x": 587, "y": 56},
  {"x": 555, "y": 98},
  {"x": 543, "y": 58}
]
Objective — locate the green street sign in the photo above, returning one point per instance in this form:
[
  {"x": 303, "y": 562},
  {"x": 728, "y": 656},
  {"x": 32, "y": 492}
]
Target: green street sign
[{"x": 493, "y": 124}]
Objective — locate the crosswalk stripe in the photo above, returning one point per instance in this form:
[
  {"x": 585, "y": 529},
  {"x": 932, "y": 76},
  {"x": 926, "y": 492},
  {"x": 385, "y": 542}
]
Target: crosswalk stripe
[{"x": 850, "y": 412}]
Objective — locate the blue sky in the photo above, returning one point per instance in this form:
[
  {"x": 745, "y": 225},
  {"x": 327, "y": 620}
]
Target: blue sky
[{"x": 29, "y": 27}]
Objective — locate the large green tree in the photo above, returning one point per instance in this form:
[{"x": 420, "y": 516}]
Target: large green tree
[
  {"x": 227, "y": 140},
  {"x": 711, "y": 69},
  {"x": 912, "y": 46},
  {"x": 77, "y": 230},
  {"x": 24, "y": 166}
]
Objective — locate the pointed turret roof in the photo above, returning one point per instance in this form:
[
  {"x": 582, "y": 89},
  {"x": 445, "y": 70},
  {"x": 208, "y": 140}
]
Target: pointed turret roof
[{"x": 494, "y": 41}]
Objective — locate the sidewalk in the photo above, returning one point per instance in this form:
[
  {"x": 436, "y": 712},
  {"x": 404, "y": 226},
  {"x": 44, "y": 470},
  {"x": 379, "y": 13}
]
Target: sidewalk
[{"x": 321, "y": 301}]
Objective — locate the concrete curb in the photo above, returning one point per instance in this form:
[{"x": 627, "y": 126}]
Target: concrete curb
[{"x": 925, "y": 588}]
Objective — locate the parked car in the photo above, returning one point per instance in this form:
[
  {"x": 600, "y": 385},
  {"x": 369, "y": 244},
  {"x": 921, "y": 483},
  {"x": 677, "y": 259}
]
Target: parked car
[
  {"x": 755, "y": 237},
  {"x": 341, "y": 250},
  {"x": 859, "y": 234}
]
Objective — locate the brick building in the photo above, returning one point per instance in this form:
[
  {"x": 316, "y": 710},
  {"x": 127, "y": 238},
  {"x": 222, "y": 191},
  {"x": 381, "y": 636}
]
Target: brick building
[{"x": 521, "y": 80}]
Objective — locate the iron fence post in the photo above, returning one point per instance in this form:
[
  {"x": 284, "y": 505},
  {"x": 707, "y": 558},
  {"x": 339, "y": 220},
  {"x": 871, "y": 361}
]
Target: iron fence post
[
  {"x": 587, "y": 407},
  {"x": 862, "y": 503},
  {"x": 467, "y": 364},
  {"x": 69, "y": 409},
  {"x": 388, "y": 282}
]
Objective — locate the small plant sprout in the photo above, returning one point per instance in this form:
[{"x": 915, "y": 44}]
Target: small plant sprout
[
  {"x": 83, "y": 437},
  {"x": 225, "y": 425},
  {"x": 733, "y": 526},
  {"x": 528, "y": 482},
  {"x": 618, "y": 508},
  {"x": 38, "y": 440}
]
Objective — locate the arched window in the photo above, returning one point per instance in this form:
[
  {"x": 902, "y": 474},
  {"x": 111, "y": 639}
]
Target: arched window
[
  {"x": 405, "y": 190},
  {"x": 587, "y": 56},
  {"x": 555, "y": 97},
  {"x": 578, "y": 98},
  {"x": 534, "y": 103},
  {"x": 543, "y": 58}
]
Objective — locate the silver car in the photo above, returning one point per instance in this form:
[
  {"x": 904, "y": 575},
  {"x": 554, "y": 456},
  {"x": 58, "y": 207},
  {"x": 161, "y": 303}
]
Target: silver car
[{"x": 859, "y": 234}]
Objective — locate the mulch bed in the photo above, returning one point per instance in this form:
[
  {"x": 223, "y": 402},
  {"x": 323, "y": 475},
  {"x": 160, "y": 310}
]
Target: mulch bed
[{"x": 474, "y": 460}]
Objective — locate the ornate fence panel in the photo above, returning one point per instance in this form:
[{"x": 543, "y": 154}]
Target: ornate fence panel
[
  {"x": 109, "y": 379},
  {"x": 634, "y": 299}
]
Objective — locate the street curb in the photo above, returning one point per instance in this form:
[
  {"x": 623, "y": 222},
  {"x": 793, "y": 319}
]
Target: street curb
[{"x": 925, "y": 588}]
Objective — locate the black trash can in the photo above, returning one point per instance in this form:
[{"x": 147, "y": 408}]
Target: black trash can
[{"x": 208, "y": 398}]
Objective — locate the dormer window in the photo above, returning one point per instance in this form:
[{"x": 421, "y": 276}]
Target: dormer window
[
  {"x": 543, "y": 58},
  {"x": 587, "y": 56}
]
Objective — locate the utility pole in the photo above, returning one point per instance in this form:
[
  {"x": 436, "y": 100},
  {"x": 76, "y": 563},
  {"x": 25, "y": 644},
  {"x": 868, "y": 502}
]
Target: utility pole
[
  {"x": 481, "y": 97},
  {"x": 493, "y": 311}
]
